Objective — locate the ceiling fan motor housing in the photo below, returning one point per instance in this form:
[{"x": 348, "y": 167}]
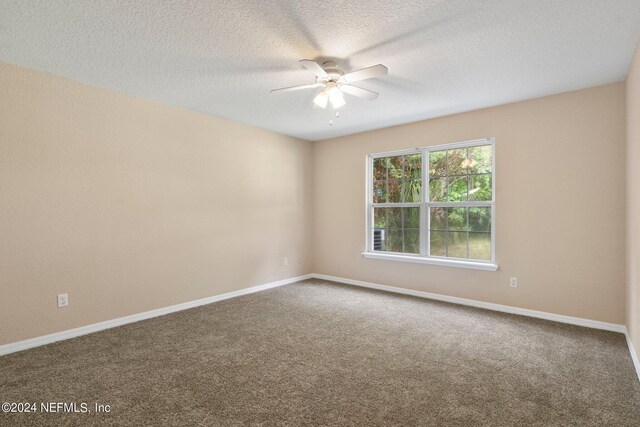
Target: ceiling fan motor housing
[
  {"x": 334, "y": 82},
  {"x": 331, "y": 68}
]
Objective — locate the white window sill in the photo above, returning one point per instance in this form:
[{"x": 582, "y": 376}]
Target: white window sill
[{"x": 433, "y": 261}]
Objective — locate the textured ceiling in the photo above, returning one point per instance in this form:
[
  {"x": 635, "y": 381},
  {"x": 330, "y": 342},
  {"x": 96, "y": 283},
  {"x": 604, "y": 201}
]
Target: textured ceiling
[{"x": 223, "y": 57}]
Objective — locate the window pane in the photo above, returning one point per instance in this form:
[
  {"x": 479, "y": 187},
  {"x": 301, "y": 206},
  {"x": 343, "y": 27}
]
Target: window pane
[
  {"x": 438, "y": 189},
  {"x": 379, "y": 191},
  {"x": 480, "y": 159},
  {"x": 413, "y": 166},
  {"x": 411, "y": 217},
  {"x": 379, "y": 217},
  {"x": 457, "y": 244},
  {"x": 457, "y": 188},
  {"x": 438, "y": 240},
  {"x": 379, "y": 229},
  {"x": 380, "y": 168},
  {"x": 394, "y": 191},
  {"x": 412, "y": 190},
  {"x": 403, "y": 218},
  {"x": 396, "y": 229},
  {"x": 394, "y": 241},
  {"x": 438, "y": 163},
  {"x": 412, "y": 240},
  {"x": 480, "y": 246},
  {"x": 438, "y": 219},
  {"x": 394, "y": 217},
  {"x": 480, "y": 219},
  {"x": 457, "y": 219},
  {"x": 480, "y": 188},
  {"x": 395, "y": 167},
  {"x": 457, "y": 161}
]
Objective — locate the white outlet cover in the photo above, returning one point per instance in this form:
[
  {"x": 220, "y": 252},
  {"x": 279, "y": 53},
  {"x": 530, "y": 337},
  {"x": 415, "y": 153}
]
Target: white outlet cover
[{"x": 63, "y": 300}]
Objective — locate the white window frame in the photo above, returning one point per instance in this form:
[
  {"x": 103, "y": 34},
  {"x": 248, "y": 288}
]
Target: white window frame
[{"x": 423, "y": 257}]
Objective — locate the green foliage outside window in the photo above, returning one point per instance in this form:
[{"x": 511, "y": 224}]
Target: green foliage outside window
[{"x": 455, "y": 175}]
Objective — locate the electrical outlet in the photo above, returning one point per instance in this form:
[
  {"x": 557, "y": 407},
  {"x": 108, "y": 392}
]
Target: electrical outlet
[
  {"x": 513, "y": 282},
  {"x": 63, "y": 300},
  {"x": 286, "y": 261}
]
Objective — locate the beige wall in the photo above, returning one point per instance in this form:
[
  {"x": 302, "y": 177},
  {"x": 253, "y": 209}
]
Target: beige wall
[
  {"x": 130, "y": 205},
  {"x": 560, "y": 204},
  {"x": 633, "y": 201}
]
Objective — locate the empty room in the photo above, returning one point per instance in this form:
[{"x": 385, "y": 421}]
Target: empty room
[{"x": 408, "y": 213}]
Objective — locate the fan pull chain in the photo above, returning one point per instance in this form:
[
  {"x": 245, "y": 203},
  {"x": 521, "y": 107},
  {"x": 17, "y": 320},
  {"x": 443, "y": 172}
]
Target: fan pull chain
[{"x": 337, "y": 117}]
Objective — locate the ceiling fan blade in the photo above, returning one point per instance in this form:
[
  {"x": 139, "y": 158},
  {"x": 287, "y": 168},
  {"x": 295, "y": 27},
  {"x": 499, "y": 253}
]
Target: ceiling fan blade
[
  {"x": 366, "y": 73},
  {"x": 314, "y": 67},
  {"x": 358, "y": 91},
  {"x": 292, "y": 88}
]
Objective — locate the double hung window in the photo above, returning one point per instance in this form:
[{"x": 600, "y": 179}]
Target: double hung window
[{"x": 433, "y": 204}]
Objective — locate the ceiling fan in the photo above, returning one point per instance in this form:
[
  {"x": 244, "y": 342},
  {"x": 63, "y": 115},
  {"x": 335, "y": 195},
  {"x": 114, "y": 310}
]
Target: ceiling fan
[{"x": 334, "y": 82}]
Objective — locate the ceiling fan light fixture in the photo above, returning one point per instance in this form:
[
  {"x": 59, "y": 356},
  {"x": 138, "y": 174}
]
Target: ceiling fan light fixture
[
  {"x": 336, "y": 97},
  {"x": 334, "y": 82},
  {"x": 321, "y": 98}
]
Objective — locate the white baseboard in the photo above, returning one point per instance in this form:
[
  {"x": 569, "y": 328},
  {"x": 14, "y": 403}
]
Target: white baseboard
[
  {"x": 634, "y": 355},
  {"x": 84, "y": 330},
  {"x": 595, "y": 324}
]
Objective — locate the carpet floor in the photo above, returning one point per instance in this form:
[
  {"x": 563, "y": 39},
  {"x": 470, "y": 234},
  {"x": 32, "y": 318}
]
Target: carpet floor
[{"x": 319, "y": 353}]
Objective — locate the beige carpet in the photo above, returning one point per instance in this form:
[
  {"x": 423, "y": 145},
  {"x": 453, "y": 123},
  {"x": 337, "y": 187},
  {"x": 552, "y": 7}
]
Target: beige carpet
[{"x": 317, "y": 353}]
